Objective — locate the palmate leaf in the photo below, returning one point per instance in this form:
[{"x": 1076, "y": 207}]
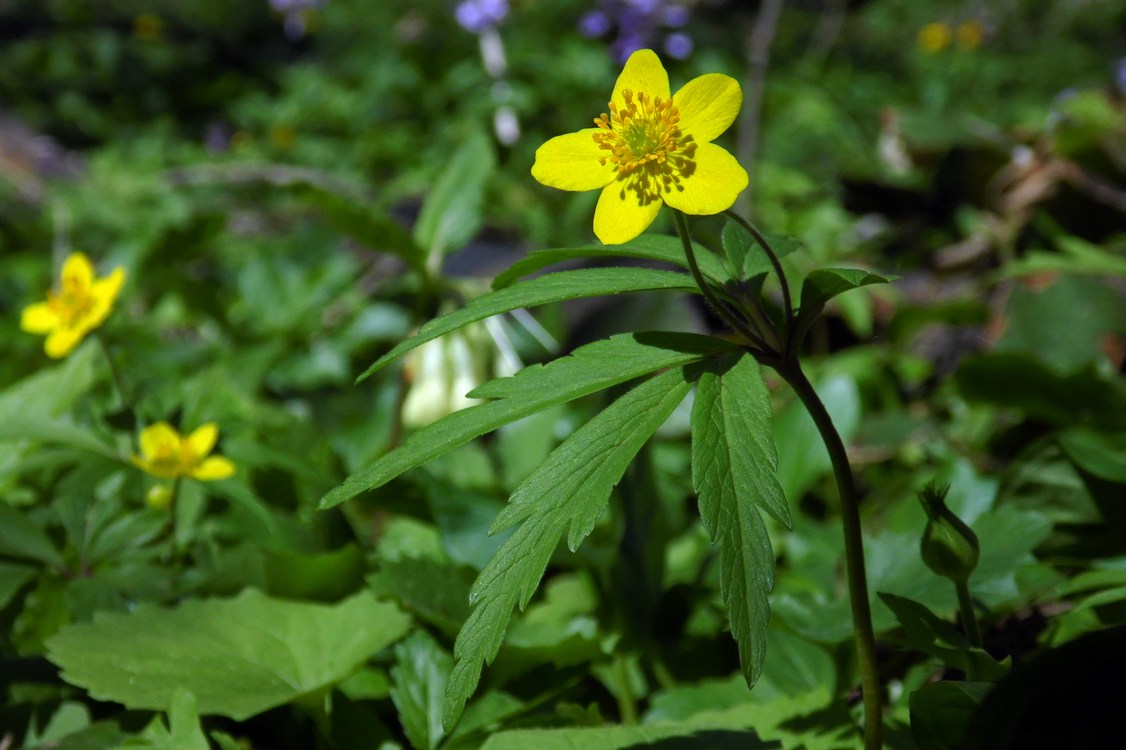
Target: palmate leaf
[
  {"x": 657, "y": 247},
  {"x": 552, "y": 287},
  {"x": 566, "y": 493},
  {"x": 587, "y": 370},
  {"x": 734, "y": 472}
]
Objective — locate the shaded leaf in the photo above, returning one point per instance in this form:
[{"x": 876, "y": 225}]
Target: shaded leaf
[
  {"x": 451, "y": 214},
  {"x": 935, "y": 637},
  {"x": 371, "y": 228},
  {"x": 941, "y": 713}
]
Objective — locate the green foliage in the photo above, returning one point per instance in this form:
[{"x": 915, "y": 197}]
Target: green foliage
[
  {"x": 734, "y": 467},
  {"x": 215, "y": 649},
  {"x": 589, "y": 369},
  {"x": 291, "y": 209},
  {"x": 556, "y": 498}
]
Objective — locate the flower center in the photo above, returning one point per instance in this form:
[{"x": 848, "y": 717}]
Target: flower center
[
  {"x": 72, "y": 302},
  {"x": 649, "y": 152}
]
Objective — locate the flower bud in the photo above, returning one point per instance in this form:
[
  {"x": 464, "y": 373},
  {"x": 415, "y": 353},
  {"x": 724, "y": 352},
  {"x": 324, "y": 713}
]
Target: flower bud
[
  {"x": 159, "y": 496},
  {"x": 949, "y": 547}
]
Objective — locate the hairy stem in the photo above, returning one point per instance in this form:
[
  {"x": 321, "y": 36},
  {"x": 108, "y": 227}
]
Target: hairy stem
[{"x": 854, "y": 552}]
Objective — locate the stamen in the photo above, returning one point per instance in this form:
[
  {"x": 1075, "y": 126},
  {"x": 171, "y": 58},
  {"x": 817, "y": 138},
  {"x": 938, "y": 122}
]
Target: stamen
[{"x": 646, "y": 146}]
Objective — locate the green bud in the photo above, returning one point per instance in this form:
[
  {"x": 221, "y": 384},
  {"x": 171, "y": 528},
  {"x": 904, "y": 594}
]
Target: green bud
[{"x": 949, "y": 546}]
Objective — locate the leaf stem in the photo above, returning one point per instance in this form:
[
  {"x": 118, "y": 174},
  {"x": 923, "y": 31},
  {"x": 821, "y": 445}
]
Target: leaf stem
[
  {"x": 854, "y": 551},
  {"x": 115, "y": 374},
  {"x": 787, "y": 301},
  {"x": 969, "y": 619},
  {"x": 760, "y": 345}
]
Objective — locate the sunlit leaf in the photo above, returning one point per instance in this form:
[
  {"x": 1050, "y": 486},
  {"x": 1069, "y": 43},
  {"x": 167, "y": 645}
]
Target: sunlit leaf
[{"x": 566, "y": 494}]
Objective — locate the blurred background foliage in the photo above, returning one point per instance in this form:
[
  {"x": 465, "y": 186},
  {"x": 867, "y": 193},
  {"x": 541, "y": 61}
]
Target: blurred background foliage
[{"x": 293, "y": 186}]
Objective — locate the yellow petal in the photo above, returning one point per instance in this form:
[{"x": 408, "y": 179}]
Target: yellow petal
[
  {"x": 159, "y": 440},
  {"x": 708, "y": 105},
  {"x": 643, "y": 72},
  {"x": 619, "y": 219},
  {"x": 164, "y": 470},
  {"x": 38, "y": 318},
  {"x": 202, "y": 439},
  {"x": 570, "y": 162},
  {"x": 106, "y": 290},
  {"x": 77, "y": 271},
  {"x": 62, "y": 341},
  {"x": 713, "y": 186},
  {"x": 215, "y": 467}
]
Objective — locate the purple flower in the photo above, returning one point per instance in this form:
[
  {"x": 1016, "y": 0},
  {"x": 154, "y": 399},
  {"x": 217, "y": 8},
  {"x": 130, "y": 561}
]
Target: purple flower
[
  {"x": 595, "y": 23},
  {"x": 294, "y": 14},
  {"x": 478, "y": 15},
  {"x": 638, "y": 24},
  {"x": 1120, "y": 75},
  {"x": 678, "y": 45}
]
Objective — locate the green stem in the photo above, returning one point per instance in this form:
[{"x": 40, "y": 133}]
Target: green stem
[
  {"x": 115, "y": 374},
  {"x": 854, "y": 552},
  {"x": 787, "y": 302},
  {"x": 969, "y": 619},
  {"x": 709, "y": 294}
]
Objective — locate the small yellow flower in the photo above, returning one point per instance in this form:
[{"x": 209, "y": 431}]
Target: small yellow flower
[
  {"x": 167, "y": 454},
  {"x": 970, "y": 34},
  {"x": 80, "y": 305},
  {"x": 934, "y": 37},
  {"x": 651, "y": 149}
]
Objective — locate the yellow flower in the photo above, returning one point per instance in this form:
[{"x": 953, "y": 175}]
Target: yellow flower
[
  {"x": 934, "y": 37},
  {"x": 167, "y": 454},
  {"x": 652, "y": 149},
  {"x": 80, "y": 305},
  {"x": 970, "y": 34}
]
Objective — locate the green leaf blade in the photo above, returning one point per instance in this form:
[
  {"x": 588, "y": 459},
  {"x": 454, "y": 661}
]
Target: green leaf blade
[
  {"x": 587, "y": 370},
  {"x": 553, "y": 287},
  {"x": 823, "y": 284},
  {"x": 451, "y": 214},
  {"x": 239, "y": 656},
  {"x": 554, "y": 498},
  {"x": 656, "y": 247},
  {"x": 734, "y": 472}
]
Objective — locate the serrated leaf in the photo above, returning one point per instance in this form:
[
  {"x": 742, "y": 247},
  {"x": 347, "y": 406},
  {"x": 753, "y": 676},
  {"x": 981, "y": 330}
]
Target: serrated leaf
[
  {"x": 418, "y": 681},
  {"x": 658, "y": 247},
  {"x": 451, "y": 213},
  {"x": 567, "y": 493},
  {"x": 735, "y": 472},
  {"x": 183, "y": 732},
  {"x": 822, "y": 285},
  {"x": 552, "y": 287},
  {"x": 587, "y": 370},
  {"x": 239, "y": 656}
]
